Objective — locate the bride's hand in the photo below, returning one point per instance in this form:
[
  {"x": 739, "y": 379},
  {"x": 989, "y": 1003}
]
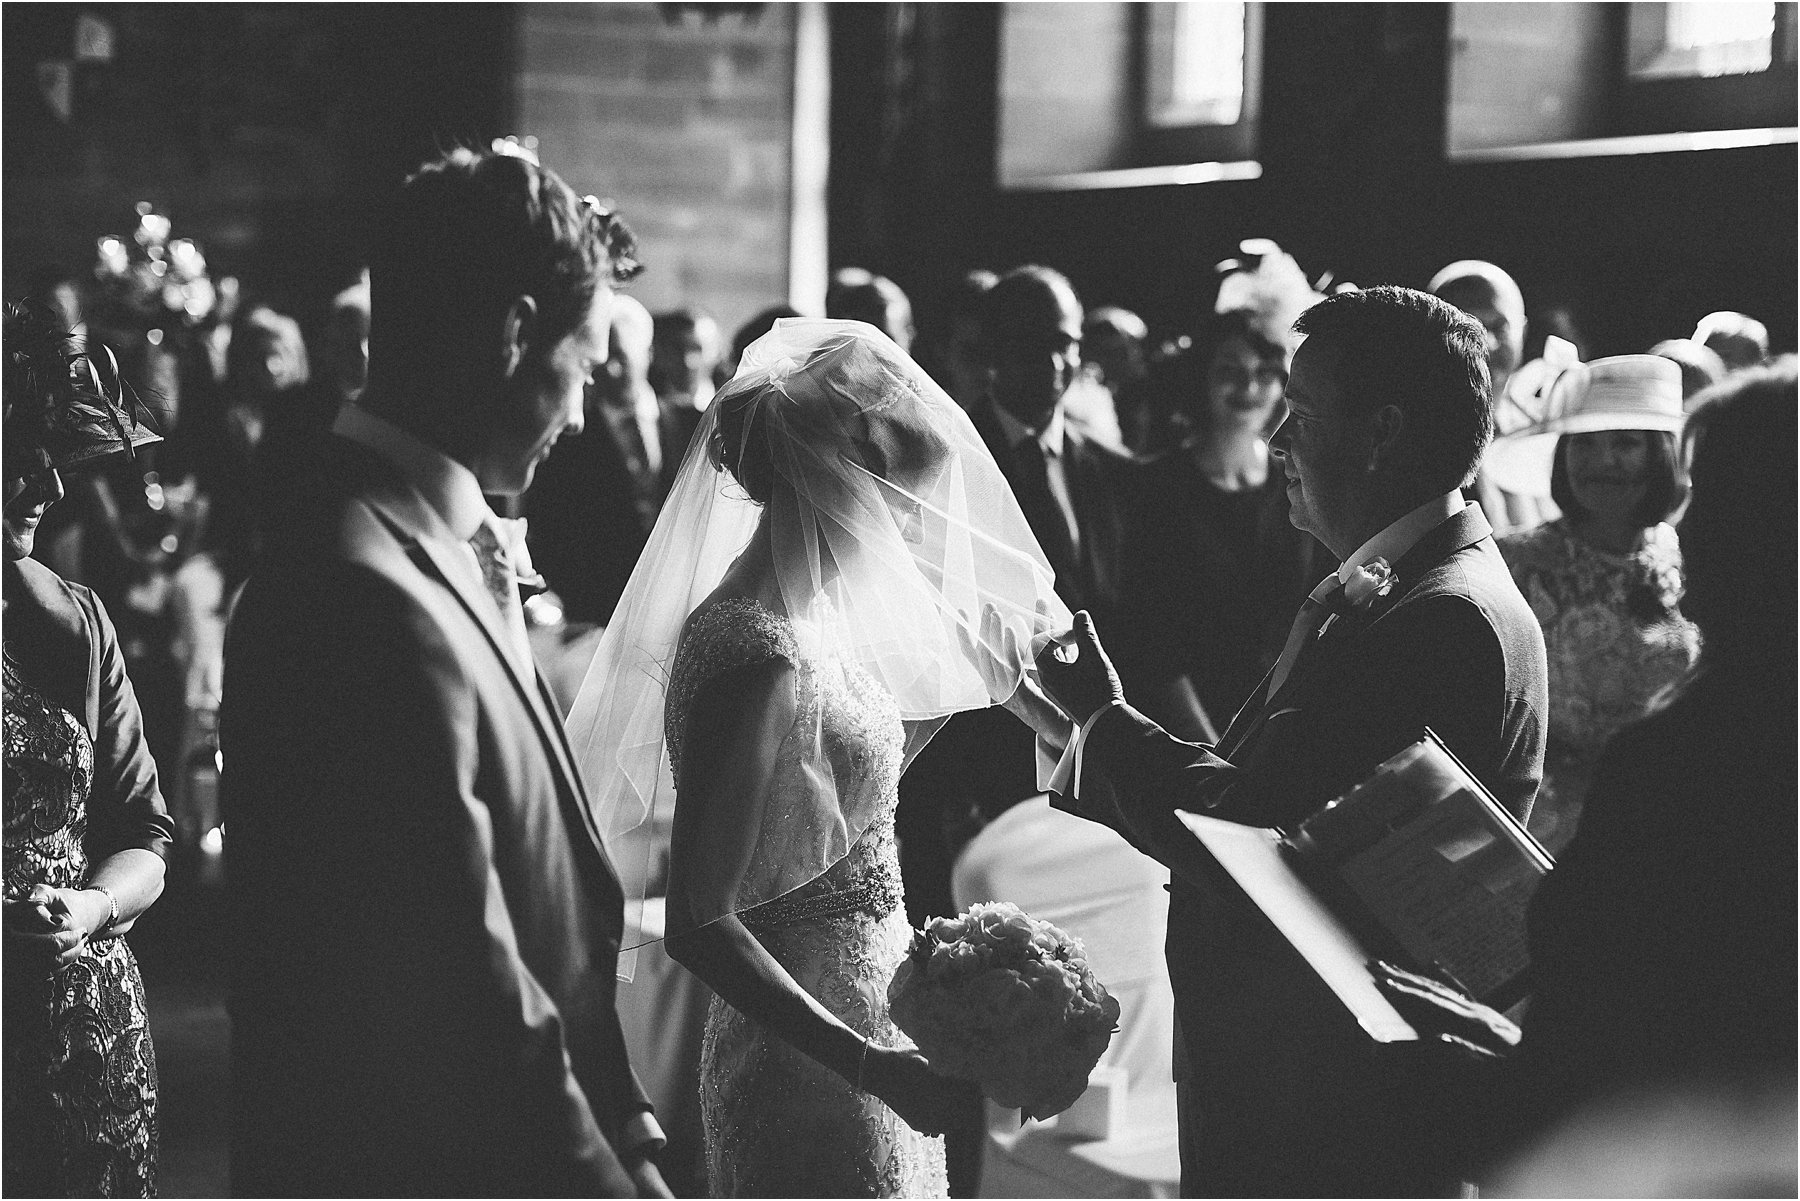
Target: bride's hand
[
  {"x": 926, "y": 1101},
  {"x": 1006, "y": 669}
]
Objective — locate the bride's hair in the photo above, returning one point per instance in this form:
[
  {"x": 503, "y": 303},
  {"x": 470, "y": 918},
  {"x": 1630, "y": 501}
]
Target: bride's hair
[{"x": 740, "y": 445}]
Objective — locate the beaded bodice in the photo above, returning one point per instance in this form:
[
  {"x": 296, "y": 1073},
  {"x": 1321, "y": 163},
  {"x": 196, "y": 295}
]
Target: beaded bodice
[
  {"x": 776, "y": 1122},
  {"x": 858, "y": 729}
]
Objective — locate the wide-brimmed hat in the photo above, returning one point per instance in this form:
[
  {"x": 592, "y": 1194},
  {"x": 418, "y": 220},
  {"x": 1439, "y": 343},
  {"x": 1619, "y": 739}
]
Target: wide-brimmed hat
[{"x": 1625, "y": 392}]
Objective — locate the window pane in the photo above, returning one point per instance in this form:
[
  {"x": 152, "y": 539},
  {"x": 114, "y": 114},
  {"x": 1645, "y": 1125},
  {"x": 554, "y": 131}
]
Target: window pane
[
  {"x": 1687, "y": 40},
  {"x": 1196, "y": 64}
]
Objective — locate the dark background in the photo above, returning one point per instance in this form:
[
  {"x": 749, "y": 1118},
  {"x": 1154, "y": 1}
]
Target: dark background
[{"x": 266, "y": 131}]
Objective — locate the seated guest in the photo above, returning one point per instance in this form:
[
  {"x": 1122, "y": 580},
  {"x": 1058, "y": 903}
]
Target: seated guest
[
  {"x": 1701, "y": 367},
  {"x": 1741, "y": 341},
  {"x": 1663, "y": 945},
  {"x": 685, "y": 352},
  {"x": 1213, "y": 567},
  {"x": 859, "y": 295},
  {"x": 950, "y": 337},
  {"x": 1491, "y": 296},
  {"x": 86, "y": 830},
  {"x": 1604, "y": 579},
  {"x": 595, "y": 499}
]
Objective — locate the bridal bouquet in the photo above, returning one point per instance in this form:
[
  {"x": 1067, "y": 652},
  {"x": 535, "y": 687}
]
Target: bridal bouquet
[{"x": 1000, "y": 998}]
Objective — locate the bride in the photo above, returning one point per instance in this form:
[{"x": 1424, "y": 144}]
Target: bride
[{"x": 839, "y": 567}]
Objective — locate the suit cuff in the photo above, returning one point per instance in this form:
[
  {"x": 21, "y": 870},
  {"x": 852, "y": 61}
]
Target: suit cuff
[
  {"x": 642, "y": 1136},
  {"x": 1066, "y": 779}
]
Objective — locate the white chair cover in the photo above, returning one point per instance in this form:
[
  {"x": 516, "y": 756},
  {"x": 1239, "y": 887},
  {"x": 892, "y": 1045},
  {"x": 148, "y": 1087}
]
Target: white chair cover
[{"x": 1087, "y": 880}]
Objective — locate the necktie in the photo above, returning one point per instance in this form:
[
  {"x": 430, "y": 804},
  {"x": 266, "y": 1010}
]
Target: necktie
[
  {"x": 1319, "y": 605},
  {"x": 493, "y": 553},
  {"x": 1042, "y": 512}
]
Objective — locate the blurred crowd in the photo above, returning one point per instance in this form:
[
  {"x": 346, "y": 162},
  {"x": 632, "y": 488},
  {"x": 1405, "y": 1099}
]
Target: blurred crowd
[{"x": 1141, "y": 458}]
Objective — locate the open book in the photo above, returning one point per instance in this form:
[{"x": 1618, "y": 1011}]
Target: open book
[{"x": 1419, "y": 864}]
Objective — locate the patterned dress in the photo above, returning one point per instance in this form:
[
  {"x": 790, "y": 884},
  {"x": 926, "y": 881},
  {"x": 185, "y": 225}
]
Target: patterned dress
[
  {"x": 777, "y": 1123},
  {"x": 80, "y": 1070},
  {"x": 1617, "y": 644}
]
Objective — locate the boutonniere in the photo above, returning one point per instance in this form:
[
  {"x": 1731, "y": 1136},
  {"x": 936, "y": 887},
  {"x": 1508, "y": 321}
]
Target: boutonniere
[
  {"x": 511, "y": 531},
  {"x": 1366, "y": 585}
]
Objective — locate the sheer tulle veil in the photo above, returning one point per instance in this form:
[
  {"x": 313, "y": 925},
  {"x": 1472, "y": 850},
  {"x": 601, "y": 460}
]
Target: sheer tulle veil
[{"x": 890, "y": 528}]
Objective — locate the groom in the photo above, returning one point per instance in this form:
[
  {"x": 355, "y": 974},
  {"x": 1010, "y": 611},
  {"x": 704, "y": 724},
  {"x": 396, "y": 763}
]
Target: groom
[
  {"x": 424, "y": 924},
  {"x": 1389, "y": 415}
]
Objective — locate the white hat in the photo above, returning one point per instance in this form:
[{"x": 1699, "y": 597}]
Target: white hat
[{"x": 1625, "y": 392}]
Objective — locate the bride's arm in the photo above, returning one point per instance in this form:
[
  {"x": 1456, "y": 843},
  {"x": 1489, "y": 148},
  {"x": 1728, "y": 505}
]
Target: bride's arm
[{"x": 735, "y": 729}]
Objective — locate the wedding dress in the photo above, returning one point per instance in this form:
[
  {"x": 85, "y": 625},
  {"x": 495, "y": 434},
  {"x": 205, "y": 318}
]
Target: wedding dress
[{"x": 777, "y": 1123}]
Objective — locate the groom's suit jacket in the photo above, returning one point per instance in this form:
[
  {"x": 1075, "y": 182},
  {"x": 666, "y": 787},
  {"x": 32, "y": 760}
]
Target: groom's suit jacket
[
  {"x": 424, "y": 925},
  {"x": 1281, "y": 1076}
]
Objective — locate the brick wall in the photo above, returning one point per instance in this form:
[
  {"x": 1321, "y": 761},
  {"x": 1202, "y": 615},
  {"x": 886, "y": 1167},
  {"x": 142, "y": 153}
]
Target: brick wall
[{"x": 686, "y": 124}]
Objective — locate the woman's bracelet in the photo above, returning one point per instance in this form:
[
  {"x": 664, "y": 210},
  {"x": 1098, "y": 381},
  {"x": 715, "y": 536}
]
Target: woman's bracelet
[{"x": 112, "y": 904}]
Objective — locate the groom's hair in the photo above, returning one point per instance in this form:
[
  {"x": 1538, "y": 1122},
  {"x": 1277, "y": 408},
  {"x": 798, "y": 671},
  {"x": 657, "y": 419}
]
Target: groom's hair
[
  {"x": 470, "y": 231},
  {"x": 1428, "y": 358}
]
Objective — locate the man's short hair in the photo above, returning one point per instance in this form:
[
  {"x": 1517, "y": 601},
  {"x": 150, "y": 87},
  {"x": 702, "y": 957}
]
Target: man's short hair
[
  {"x": 1427, "y": 357},
  {"x": 472, "y": 230},
  {"x": 1025, "y": 294}
]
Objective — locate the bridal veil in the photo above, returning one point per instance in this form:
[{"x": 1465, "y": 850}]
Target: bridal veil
[{"x": 890, "y": 527}]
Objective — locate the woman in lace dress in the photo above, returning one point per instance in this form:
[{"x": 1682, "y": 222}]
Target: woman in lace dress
[
  {"x": 85, "y": 825},
  {"x": 839, "y": 568},
  {"x": 1604, "y": 578}
]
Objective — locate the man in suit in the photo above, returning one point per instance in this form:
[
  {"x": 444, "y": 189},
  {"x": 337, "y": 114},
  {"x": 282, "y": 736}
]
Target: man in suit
[
  {"x": 1073, "y": 493},
  {"x": 1389, "y": 414},
  {"x": 425, "y": 925},
  {"x": 596, "y": 498}
]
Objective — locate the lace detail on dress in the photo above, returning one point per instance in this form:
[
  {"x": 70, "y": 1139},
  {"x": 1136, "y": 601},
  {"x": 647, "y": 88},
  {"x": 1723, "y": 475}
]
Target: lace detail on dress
[
  {"x": 80, "y": 1070},
  {"x": 1615, "y": 641},
  {"x": 777, "y": 1123}
]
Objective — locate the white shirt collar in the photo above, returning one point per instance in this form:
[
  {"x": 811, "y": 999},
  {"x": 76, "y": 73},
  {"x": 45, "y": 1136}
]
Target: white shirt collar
[
  {"x": 447, "y": 486},
  {"x": 1394, "y": 541},
  {"x": 1050, "y": 437}
]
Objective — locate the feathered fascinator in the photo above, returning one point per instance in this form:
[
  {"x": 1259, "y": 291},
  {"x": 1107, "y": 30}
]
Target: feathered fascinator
[{"x": 65, "y": 396}]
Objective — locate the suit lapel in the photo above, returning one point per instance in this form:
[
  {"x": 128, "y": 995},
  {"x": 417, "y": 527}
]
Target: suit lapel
[
  {"x": 434, "y": 549},
  {"x": 1457, "y": 533}
]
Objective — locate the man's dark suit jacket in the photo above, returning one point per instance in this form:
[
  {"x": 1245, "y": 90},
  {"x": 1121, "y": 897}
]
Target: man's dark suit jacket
[
  {"x": 983, "y": 761},
  {"x": 425, "y": 926},
  {"x": 1279, "y": 1095},
  {"x": 593, "y": 504}
]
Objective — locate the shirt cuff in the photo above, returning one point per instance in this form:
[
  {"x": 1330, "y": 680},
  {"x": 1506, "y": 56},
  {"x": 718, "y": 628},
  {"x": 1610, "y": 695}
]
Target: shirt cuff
[
  {"x": 642, "y": 1134},
  {"x": 1066, "y": 779}
]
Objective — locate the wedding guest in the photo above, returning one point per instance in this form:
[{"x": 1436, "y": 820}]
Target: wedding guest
[
  {"x": 1701, "y": 367},
  {"x": 685, "y": 352},
  {"x": 594, "y": 501},
  {"x": 1388, "y": 416},
  {"x": 950, "y": 338},
  {"x": 423, "y": 925},
  {"x": 1491, "y": 296},
  {"x": 1740, "y": 340},
  {"x": 1604, "y": 579},
  {"x": 1663, "y": 945},
  {"x": 859, "y": 295},
  {"x": 86, "y": 830},
  {"x": 1213, "y": 567},
  {"x": 1073, "y": 493}
]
